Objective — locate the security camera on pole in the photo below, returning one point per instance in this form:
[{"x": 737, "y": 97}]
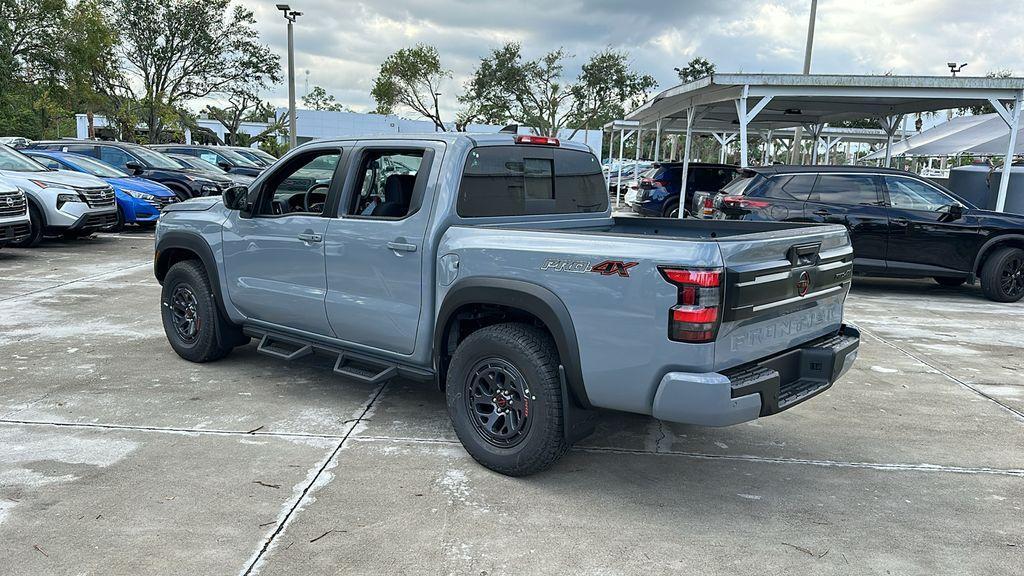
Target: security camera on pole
[{"x": 290, "y": 15}]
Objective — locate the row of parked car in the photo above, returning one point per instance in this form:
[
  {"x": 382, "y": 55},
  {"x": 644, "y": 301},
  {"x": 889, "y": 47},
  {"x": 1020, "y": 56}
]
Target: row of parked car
[
  {"x": 75, "y": 187},
  {"x": 902, "y": 225}
]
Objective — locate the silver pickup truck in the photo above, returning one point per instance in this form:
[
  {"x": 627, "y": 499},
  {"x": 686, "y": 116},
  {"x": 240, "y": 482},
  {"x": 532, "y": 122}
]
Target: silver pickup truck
[{"x": 491, "y": 265}]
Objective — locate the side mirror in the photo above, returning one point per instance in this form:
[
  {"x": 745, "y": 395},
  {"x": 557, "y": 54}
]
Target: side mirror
[
  {"x": 236, "y": 198},
  {"x": 225, "y": 166},
  {"x": 955, "y": 211},
  {"x": 134, "y": 167}
]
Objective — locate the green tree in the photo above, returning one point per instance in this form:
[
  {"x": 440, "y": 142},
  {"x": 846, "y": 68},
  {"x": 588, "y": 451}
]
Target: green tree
[
  {"x": 319, "y": 99},
  {"x": 50, "y": 52},
  {"x": 508, "y": 88},
  {"x": 179, "y": 50},
  {"x": 699, "y": 67},
  {"x": 411, "y": 78}
]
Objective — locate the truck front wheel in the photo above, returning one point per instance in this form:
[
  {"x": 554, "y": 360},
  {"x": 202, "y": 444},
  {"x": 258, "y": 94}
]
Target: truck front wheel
[
  {"x": 190, "y": 315},
  {"x": 505, "y": 399}
]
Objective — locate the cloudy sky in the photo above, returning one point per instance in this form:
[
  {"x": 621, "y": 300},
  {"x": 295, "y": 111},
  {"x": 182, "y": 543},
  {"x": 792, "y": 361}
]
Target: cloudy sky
[{"x": 342, "y": 43}]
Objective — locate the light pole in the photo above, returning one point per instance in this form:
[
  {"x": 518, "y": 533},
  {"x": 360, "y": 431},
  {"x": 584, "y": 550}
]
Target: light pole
[
  {"x": 797, "y": 133},
  {"x": 290, "y": 15}
]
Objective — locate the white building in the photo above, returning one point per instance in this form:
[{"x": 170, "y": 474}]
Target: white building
[{"x": 318, "y": 124}]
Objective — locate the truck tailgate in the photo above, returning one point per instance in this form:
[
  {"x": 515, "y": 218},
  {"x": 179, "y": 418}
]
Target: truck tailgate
[{"x": 781, "y": 289}]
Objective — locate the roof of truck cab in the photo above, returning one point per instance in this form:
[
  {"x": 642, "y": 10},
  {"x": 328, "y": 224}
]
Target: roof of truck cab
[
  {"x": 820, "y": 169},
  {"x": 476, "y": 138}
]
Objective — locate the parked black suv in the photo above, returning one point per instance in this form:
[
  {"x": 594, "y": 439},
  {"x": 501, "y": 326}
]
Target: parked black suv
[
  {"x": 902, "y": 225},
  {"x": 227, "y": 159},
  {"x": 141, "y": 161}
]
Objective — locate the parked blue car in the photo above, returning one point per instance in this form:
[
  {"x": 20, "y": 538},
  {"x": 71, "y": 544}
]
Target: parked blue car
[{"x": 139, "y": 201}]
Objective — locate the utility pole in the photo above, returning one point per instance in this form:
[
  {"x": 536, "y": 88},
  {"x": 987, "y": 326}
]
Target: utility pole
[
  {"x": 795, "y": 153},
  {"x": 290, "y": 15}
]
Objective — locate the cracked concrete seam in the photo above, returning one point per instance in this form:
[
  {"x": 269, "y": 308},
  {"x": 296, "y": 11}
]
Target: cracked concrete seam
[{"x": 268, "y": 543}]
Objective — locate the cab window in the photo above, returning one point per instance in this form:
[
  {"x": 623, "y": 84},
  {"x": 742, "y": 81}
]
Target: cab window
[
  {"x": 300, "y": 186},
  {"x": 386, "y": 180}
]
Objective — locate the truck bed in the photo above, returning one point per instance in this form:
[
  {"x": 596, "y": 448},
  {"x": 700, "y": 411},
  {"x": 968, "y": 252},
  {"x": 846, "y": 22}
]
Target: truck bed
[{"x": 685, "y": 229}]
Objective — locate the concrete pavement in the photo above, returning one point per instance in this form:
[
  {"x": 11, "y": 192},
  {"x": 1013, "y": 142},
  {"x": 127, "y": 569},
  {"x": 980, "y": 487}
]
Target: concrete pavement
[{"x": 117, "y": 457}]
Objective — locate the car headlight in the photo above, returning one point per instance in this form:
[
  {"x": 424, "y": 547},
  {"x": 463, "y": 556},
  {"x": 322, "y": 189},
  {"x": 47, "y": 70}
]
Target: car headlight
[
  {"x": 211, "y": 189},
  {"x": 63, "y": 199},
  {"x": 140, "y": 195}
]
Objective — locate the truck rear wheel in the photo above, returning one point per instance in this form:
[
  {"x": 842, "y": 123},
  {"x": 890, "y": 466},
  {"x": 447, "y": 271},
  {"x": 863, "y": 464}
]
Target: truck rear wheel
[
  {"x": 1002, "y": 276},
  {"x": 505, "y": 398},
  {"x": 190, "y": 315}
]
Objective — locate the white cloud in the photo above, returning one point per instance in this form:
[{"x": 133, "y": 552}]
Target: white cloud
[{"x": 343, "y": 42}]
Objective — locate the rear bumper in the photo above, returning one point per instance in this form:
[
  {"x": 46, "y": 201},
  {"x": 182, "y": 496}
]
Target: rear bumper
[{"x": 760, "y": 388}]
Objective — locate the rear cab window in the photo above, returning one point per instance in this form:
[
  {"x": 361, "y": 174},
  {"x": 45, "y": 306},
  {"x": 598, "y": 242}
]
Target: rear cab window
[{"x": 530, "y": 180}]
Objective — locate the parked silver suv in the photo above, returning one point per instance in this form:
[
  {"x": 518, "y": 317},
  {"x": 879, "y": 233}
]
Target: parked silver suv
[
  {"x": 14, "y": 223},
  {"x": 60, "y": 202}
]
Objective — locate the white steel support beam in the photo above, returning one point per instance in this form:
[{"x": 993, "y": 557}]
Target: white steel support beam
[
  {"x": 657, "y": 141},
  {"x": 889, "y": 125},
  {"x": 636, "y": 155},
  {"x": 618, "y": 181},
  {"x": 690, "y": 113},
  {"x": 741, "y": 114},
  {"x": 1014, "y": 123}
]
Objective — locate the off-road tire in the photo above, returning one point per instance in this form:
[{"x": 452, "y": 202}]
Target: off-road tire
[
  {"x": 950, "y": 282},
  {"x": 35, "y": 234},
  {"x": 532, "y": 353},
  {"x": 190, "y": 277},
  {"x": 992, "y": 274}
]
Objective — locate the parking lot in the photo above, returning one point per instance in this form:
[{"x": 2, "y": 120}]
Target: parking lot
[{"x": 116, "y": 456}]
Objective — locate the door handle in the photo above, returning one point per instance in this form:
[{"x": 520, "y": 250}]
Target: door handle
[
  {"x": 311, "y": 238},
  {"x": 401, "y": 246},
  {"x": 821, "y": 212},
  {"x": 900, "y": 221}
]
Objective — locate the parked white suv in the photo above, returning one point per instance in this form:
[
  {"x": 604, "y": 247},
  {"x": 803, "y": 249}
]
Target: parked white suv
[
  {"x": 60, "y": 202},
  {"x": 14, "y": 223}
]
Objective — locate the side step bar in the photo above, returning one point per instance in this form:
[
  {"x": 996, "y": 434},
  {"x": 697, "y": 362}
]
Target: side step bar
[{"x": 354, "y": 365}]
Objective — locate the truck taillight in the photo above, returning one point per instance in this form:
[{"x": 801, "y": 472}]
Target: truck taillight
[
  {"x": 542, "y": 140},
  {"x": 695, "y": 317}
]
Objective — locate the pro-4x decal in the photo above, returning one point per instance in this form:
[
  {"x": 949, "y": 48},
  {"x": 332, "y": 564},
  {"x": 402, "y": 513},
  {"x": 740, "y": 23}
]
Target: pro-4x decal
[{"x": 611, "y": 267}]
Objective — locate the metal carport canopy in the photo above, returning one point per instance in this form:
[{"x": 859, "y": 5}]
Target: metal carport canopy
[{"x": 770, "y": 101}]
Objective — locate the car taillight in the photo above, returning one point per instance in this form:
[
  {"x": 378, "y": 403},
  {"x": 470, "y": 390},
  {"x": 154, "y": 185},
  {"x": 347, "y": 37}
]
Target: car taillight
[
  {"x": 743, "y": 203},
  {"x": 695, "y": 317},
  {"x": 542, "y": 140}
]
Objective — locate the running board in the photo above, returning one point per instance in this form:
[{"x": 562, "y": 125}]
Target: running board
[
  {"x": 284, "y": 349},
  {"x": 354, "y": 365},
  {"x": 364, "y": 369}
]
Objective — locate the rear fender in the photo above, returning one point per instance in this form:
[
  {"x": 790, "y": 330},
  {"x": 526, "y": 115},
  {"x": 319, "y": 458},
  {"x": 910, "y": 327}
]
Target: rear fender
[{"x": 531, "y": 298}]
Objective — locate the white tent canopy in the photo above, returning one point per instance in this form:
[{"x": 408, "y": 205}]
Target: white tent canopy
[
  {"x": 959, "y": 135},
  {"x": 773, "y": 101},
  {"x": 935, "y": 134}
]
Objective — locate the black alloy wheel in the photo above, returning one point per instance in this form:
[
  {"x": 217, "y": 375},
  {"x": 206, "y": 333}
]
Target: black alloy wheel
[
  {"x": 1011, "y": 277},
  {"x": 498, "y": 400},
  {"x": 184, "y": 312}
]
